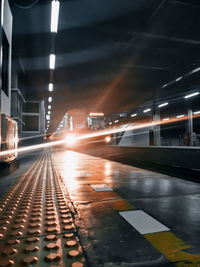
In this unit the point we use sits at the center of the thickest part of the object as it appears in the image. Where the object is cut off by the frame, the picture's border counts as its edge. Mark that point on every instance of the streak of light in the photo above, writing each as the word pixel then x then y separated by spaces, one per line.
pixel 95 134
pixel 33 147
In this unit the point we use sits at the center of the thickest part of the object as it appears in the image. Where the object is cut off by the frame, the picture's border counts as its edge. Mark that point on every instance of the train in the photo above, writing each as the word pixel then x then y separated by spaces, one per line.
pixel 9 138
pixel 80 128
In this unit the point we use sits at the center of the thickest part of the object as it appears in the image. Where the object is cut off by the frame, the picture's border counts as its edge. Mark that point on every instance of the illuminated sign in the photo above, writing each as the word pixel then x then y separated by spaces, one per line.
pixel 96 114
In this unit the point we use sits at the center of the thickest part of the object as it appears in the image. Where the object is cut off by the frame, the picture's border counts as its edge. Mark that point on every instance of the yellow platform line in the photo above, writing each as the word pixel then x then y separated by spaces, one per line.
pixel 173 248
pixel 166 243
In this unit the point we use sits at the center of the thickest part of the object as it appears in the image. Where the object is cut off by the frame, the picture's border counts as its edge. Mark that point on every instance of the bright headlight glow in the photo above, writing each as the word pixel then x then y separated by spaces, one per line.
pixel 108 139
pixel 70 140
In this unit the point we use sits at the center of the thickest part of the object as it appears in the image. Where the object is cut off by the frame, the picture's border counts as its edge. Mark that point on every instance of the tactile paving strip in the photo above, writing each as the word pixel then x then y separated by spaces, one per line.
pixel 36 222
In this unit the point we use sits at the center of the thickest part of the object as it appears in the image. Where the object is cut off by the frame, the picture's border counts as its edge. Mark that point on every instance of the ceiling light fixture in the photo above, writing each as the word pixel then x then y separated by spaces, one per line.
pixel 134 115
pixel 191 95
pixel 162 105
pixel 55 6
pixel 196 112
pixel 180 116
pixel 146 110
pixel 49 106
pixel 50 87
pixel 50 99
pixel 52 58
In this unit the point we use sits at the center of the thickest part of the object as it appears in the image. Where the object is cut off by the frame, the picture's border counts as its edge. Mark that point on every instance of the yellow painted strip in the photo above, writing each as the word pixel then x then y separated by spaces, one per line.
pixel 172 247
pixel 122 205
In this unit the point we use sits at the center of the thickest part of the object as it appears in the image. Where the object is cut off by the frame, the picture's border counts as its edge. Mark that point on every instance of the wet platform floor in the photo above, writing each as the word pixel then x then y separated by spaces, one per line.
pixel 118 215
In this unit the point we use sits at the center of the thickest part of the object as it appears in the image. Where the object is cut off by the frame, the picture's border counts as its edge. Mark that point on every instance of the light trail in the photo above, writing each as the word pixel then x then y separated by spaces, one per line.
pixel 91 135
pixel 33 147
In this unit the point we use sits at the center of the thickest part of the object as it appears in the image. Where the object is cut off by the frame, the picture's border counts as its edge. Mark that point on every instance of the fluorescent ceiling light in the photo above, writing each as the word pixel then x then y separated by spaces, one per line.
pixel 195 70
pixel 50 87
pixel 146 110
pixel 196 112
pixel 50 99
pixel 191 95
pixel 49 106
pixel 110 123
pixel 166 119
pixel 134 115
pixel 162 105
pixel 52 61
pixel 55 5
pixel 180 116
pixel 48 117
pixel 116 121
pixel 49 112
pixel 179 78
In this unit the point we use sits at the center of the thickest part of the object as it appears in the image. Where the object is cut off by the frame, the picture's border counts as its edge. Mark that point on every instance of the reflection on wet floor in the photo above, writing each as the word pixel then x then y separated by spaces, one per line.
pixel 169 200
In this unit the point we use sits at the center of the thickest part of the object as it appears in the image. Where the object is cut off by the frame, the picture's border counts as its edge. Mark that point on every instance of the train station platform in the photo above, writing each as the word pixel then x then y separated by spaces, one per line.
pixel 73 209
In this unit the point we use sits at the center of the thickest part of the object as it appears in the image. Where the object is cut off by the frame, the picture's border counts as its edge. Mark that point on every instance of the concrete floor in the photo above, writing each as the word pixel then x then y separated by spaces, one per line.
pixel 108 238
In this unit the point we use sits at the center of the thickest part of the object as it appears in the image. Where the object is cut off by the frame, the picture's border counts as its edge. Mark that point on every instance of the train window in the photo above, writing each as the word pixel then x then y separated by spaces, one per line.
pixel 5 64
pixel 31 123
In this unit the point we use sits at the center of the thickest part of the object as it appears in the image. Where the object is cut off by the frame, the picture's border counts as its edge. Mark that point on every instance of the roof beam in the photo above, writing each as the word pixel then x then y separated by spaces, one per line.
pixel 157 68
pixel 185 4
pixel 165 37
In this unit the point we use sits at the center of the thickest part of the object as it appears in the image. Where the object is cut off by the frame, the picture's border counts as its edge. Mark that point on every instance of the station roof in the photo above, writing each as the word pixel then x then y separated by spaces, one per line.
pixel 111 55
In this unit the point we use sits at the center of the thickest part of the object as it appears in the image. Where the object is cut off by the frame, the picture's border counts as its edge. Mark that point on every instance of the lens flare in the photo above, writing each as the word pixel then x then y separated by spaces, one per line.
pixel 70 140
pixel 108 139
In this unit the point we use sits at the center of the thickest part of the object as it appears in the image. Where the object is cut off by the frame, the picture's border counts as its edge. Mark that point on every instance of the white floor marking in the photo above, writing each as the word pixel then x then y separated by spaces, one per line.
pixel 101 187
pixel 143 222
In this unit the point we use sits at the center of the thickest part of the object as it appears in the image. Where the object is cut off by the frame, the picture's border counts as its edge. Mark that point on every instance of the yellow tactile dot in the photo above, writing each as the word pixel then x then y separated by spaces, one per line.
pixel 34 225
pixel 50 213
pixel 68 227
pixel 70 243
pixel 35 219
pixel 64 211
pixel 68 235
pixel 73 253
pixel 30 260
pixel 16 233
pixel 18 226
pixel 31 248
pixel 3 228
pixel 34 231
pixel 20 221
pixel 51 246
pixel 13 242
pixel 32 239
pixel 9 251
pixel 51 229
pixel 67 221
pixel 51 223
pixel 51 237
pixel 66 216
pixel 77 264
pixel 4 262
pixel 53 257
